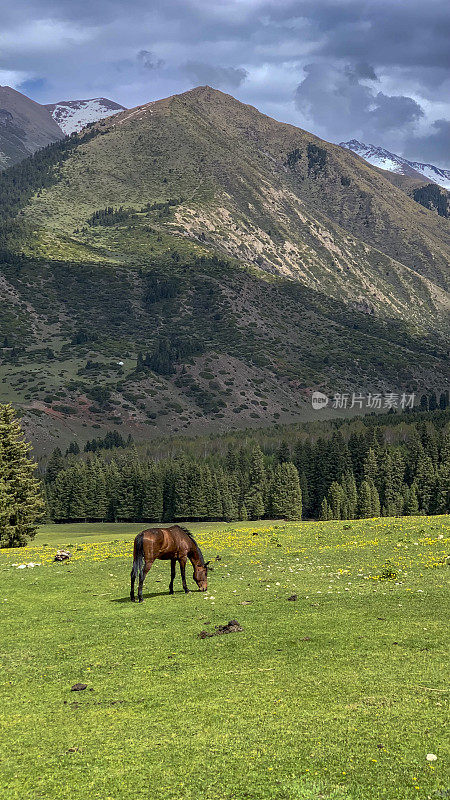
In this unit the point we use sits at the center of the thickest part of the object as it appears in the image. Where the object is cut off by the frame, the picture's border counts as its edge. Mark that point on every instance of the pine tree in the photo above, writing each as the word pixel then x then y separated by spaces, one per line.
pixel 283 453
pixel 55 465
pixel 305 492
pixel 231 459
pixel 112 479
pixel 230 497
pixel 335 500
pixel 256 469
pixel 442 489
pixel 21 499
pixel 371 466
pixel 350 496
pixel 126 500
pixel 424 479
pixel 364 500
pixel 254 504
pixel 375 510
pixel 324 511
pixel 152 495
pixel 285 494
pixel 411 504
pixel 181 493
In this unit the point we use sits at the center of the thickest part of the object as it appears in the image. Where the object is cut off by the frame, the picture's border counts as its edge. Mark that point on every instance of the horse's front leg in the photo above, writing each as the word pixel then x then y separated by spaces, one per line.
pixel 183 573
pixel 173 563
pixel 142 577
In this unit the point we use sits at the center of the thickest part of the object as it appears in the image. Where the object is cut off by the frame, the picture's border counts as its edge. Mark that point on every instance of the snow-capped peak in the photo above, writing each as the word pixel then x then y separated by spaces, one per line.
pixel 73 115
pixel 383 159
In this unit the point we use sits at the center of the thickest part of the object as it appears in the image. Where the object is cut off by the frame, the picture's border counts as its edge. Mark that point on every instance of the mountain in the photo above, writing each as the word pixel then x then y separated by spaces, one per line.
pixel 73 115
pixel 194 265
pixel 25 126
pixel 394 163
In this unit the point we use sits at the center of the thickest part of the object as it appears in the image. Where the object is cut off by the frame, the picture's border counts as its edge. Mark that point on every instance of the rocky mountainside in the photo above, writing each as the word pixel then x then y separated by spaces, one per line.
pixel 384 159
pixel 25 126
pixel 73 115
pixel 192 264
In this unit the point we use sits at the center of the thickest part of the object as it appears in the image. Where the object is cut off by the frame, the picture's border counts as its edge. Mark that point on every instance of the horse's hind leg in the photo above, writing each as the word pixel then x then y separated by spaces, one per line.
pixel 173 563
pixel 142 577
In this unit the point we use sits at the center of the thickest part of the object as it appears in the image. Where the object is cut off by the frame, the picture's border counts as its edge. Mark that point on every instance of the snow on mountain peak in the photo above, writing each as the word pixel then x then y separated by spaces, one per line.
pixel 73 115
pixel 384 159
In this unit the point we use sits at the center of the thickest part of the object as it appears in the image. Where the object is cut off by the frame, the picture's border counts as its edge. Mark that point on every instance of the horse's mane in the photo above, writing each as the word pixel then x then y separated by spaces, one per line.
pixel 188 533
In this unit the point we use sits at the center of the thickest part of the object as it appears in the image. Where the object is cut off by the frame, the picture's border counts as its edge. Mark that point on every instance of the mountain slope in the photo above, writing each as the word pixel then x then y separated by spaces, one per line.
pixel 192 264
pixel 25 126
pixel 379 157
pixel 264 192
pixel 73 115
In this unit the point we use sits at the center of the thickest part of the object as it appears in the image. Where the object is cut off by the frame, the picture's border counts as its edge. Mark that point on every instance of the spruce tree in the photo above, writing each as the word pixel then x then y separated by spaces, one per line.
pixel 442 489
pixel 55 464
pixel 305 492
pixel 283 453
pixel 324 511
pixel 21 499
pixel 411 505
pixel 335 500
pixel 152 495
pixel 364 500
pixel 254 504
pixel 350 496
pixel 285 494
pixel 374 500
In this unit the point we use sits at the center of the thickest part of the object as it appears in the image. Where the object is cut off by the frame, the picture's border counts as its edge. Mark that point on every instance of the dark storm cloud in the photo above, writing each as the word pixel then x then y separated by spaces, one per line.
pixel 339 99
pixel 148 60
pixel 231 77
pixel 434 147
pixel 377 69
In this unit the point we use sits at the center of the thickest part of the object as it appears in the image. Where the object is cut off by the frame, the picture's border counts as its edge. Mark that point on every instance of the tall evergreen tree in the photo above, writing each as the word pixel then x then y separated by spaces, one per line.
pixel 285 493
pixel 21 497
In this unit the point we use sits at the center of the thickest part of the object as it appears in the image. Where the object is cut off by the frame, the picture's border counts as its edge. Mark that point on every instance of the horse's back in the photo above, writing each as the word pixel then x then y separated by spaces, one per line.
pixel 163 542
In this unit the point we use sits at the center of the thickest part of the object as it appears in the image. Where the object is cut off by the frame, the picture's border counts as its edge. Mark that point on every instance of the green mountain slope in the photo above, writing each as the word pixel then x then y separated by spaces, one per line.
pixel 237 261
pixel 264 192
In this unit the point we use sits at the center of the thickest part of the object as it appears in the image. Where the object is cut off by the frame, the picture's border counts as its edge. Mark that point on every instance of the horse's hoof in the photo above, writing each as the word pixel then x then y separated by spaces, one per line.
pixel 141 600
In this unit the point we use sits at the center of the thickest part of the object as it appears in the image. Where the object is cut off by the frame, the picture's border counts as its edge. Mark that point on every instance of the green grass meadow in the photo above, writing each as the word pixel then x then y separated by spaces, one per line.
pixel 340 694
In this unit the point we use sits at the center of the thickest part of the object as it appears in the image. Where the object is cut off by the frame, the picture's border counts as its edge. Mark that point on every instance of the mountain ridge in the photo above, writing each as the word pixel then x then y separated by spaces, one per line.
pixel 327 233
pixel 25 126
pixel 384 159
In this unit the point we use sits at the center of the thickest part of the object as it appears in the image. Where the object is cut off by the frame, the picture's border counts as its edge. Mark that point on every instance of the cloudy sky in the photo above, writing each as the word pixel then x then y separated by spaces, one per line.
pixel 374 70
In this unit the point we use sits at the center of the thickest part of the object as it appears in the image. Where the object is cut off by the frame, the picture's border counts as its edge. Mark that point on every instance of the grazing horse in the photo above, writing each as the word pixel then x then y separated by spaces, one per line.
pixel 174 543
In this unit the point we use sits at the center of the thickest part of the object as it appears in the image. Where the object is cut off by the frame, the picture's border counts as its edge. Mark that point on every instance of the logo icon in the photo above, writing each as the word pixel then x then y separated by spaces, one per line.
pixel 319 400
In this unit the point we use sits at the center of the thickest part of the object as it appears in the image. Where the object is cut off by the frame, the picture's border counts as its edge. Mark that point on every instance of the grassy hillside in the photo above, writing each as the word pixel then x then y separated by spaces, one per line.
pixel 339 694
pixel 223 348
pixel 247 261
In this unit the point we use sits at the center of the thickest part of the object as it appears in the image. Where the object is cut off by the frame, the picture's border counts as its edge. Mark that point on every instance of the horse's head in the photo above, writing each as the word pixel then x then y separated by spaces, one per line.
pixel 201 576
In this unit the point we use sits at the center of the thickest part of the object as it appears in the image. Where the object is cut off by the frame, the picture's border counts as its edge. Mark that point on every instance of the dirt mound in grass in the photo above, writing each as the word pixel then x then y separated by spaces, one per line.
pixel 231 627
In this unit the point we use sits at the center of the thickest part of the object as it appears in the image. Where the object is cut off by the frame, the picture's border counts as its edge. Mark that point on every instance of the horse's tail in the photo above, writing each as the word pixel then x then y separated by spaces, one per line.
pixel 138 555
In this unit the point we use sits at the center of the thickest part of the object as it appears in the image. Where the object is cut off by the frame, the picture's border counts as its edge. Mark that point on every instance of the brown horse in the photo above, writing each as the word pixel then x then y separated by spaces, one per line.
pixel 174 543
